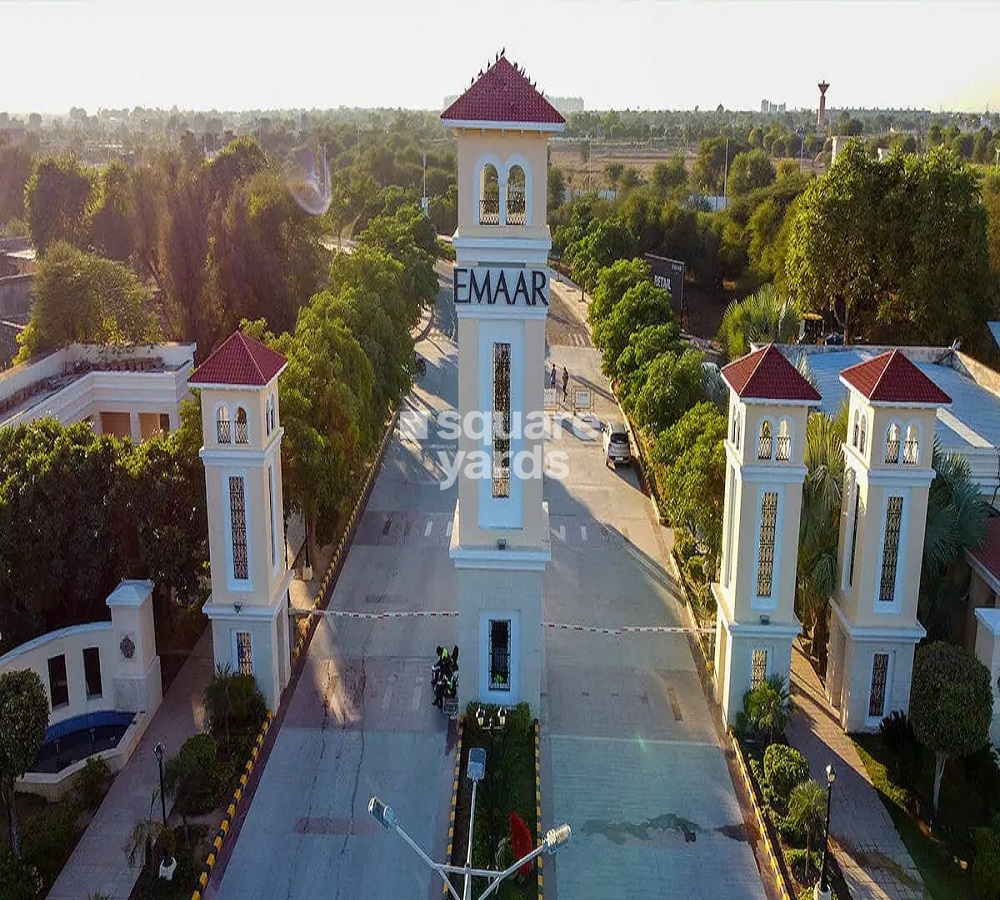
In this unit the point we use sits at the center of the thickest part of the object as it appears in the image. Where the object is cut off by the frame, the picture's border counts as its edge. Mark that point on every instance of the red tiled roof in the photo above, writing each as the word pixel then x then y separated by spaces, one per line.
pixel 239 361
pixel 989 553
pixel 767 375
pixel 892 378
pixel 503 94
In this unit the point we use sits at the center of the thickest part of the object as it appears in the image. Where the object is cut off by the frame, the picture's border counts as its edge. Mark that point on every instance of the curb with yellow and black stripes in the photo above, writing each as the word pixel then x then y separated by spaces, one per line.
pixel 784 889
pixel 454 797
pixel 538 804
pixel 227 820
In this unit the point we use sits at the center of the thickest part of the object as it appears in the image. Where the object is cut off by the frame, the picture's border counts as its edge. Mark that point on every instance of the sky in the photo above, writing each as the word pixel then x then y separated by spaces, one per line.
pixel 615 54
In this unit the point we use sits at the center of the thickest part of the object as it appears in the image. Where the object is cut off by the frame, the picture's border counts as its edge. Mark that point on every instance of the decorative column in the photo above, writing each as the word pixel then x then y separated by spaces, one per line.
pixel 500 537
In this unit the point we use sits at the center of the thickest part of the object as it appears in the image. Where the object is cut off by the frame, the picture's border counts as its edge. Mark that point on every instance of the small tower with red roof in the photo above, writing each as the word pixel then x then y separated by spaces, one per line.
pixel 888 470
pixel 242 456
pixel 769 403
pixel 500 537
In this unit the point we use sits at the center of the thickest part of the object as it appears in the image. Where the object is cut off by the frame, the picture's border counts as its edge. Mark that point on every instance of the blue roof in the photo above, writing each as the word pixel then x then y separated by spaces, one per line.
pixel 972 420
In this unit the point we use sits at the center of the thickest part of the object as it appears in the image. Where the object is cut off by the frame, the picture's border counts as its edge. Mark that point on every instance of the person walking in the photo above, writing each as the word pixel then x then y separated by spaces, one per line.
pixel 552 376
pixel 565 382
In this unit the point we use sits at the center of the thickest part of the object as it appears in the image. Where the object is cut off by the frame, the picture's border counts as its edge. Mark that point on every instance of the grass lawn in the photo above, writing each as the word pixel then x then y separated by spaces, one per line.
pixel 944 876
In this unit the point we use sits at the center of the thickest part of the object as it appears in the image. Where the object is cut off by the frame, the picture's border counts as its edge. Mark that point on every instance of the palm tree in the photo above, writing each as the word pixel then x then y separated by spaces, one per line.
pixel 819 526
pixel 807 812
pixel 956 520
pixel 762 317
pixel 769 707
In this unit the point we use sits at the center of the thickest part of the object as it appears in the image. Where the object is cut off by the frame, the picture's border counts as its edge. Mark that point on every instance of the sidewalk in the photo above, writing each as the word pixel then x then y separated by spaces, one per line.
pixel 866 845
pixel 98 864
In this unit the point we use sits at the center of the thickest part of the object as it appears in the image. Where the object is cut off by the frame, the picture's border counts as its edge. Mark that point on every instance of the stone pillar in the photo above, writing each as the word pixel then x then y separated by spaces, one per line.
pixel 137 684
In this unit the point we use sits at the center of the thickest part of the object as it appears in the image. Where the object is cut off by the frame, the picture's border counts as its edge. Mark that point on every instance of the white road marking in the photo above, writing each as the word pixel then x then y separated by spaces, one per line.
pixel 387 696
pixel 417 690
pixel 562 532
pixel 427 530
pixel 447 531
pixel 583 532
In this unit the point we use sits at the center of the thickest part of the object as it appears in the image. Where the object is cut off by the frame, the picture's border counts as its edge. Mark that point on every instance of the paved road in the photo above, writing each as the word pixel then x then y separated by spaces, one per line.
pixel 630 755
pixel 630 751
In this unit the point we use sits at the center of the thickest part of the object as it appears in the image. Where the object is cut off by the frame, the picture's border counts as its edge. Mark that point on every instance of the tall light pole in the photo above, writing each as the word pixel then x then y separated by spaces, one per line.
pixel 475 771
pixel 159 750
pixel 824 886
pixel 725 173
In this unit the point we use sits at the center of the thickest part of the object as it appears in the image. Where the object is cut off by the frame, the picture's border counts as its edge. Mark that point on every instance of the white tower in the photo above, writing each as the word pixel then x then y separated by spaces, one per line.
pixel 500 538
pixel 887 476
pixel 242 456
pixel 765 447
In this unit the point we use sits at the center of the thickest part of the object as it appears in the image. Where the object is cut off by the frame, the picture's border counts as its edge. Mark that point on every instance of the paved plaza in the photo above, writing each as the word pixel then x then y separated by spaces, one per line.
pixel 630 754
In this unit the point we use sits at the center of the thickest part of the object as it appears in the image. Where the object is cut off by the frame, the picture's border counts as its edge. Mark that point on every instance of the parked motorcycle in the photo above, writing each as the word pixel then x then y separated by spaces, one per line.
pixel 444 681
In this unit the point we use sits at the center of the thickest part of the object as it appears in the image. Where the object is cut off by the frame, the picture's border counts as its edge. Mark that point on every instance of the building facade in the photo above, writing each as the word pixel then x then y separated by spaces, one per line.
pixel 500 538
pixel 242 456
pixel 765 445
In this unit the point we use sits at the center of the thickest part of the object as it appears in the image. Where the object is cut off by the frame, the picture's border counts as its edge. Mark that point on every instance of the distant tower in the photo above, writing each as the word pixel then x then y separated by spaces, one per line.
pixel 821 118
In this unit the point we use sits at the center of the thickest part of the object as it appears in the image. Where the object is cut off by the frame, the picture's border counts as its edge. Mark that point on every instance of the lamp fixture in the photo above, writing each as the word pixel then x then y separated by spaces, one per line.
pixel 238 606
pixel 501 544
pixel 765 620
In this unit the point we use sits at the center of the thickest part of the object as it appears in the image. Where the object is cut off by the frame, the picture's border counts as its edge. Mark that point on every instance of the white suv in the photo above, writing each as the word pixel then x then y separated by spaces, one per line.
pixel 617 448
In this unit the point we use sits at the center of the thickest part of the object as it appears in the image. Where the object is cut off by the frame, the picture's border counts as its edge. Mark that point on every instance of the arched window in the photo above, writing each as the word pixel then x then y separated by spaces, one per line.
pixel 732 424
pixel 489 196
pixel 516 196
pixel 911 448
pixel 783 451
pixel 892 444
pixel 269 415
pixel 739 430
pixel 222 429
pixel 764 441
pixel 854 433
pixel 863 437
pixel 242 428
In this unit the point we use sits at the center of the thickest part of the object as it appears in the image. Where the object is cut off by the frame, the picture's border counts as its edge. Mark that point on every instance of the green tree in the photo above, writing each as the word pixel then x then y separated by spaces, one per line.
pixel 555 188
pixel 769 707
pixel 761 318
pixel 807 813
pixel 194 778
pixel 750 171
pixel 956 521
pixel 24 717
pixel 83 298
pixel 951 703
pixel 642 348
pixel 57 200
pixel 613 282
pixel 111 224
pixel 709 165
pixel 692 456
pixel 674 383
pixel 16 162
pixel 639 307
pixel 606 241
pixel 613 172
pixel 668 176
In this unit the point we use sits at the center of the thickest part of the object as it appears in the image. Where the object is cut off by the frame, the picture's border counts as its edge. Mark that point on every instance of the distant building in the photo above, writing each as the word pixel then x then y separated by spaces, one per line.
pixel 133 392
pixel 767 107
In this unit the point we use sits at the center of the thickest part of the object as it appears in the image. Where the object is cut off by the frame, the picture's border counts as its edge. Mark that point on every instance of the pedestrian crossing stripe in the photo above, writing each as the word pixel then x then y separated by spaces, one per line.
pixel 453 613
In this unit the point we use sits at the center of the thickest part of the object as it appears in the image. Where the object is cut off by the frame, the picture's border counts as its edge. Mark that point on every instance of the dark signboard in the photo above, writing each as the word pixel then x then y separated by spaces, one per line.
pixel 669 274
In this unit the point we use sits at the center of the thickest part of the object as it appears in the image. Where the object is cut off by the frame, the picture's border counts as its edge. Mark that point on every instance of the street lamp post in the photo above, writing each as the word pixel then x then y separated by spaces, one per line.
pixel 475 771
pixel 159 750
pixel 823 889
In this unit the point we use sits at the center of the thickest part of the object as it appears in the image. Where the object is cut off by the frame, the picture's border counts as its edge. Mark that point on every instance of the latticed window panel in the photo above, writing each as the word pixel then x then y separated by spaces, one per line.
pixel 890 550
pixel 854 535
pixel 501 420
pixel 880 674
pixel 910 452
pixel 489 211
pixel 783 448
pixel 244 653
pixel 516 207
pixel 765 441
pixel 758 668
pixel 238 516
pixel 224 432
pixel 765 555
pixel 242 427
pixel 499 650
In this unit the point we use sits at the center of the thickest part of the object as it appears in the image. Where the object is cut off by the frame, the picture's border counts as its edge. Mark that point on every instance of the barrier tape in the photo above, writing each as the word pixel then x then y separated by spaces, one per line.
pixel 452 613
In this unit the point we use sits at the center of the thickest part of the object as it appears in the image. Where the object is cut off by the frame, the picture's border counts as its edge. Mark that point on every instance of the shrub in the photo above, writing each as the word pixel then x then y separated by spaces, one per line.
pixel 768 708
pixel 796 860
pixel 695 569
pixel 234 706
pixel 18 880
pixel 784 768
pixel 899 739
pixel 91 782
pixel 195 777
pixel 684 545
pixel 986 863
pixel 46 845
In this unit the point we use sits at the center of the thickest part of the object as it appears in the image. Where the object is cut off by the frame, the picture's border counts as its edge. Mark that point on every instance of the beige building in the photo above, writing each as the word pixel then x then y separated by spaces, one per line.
pixel 765 445
pixel 500 538
pixel 887 475
pixel 242 456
